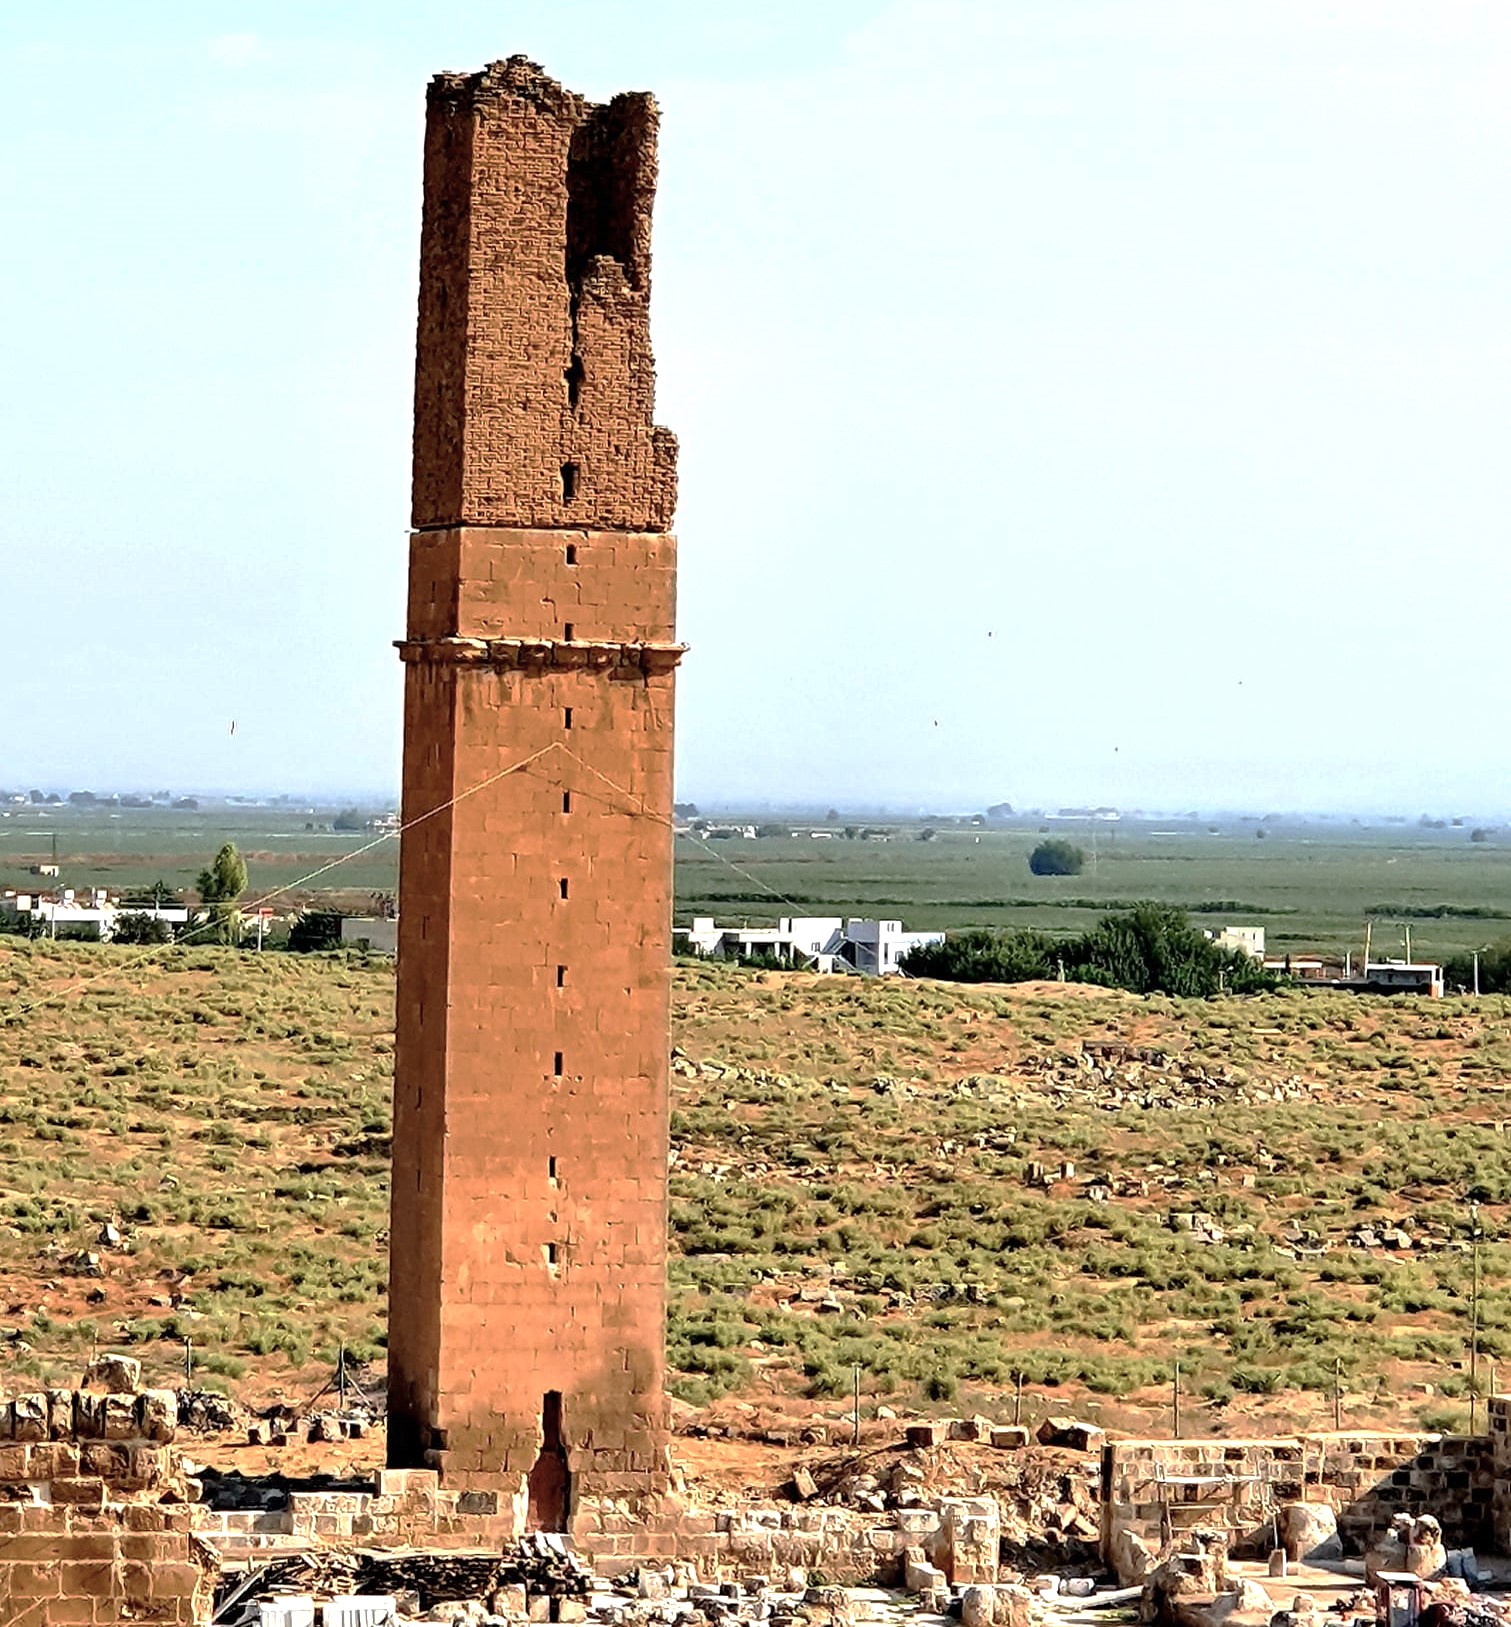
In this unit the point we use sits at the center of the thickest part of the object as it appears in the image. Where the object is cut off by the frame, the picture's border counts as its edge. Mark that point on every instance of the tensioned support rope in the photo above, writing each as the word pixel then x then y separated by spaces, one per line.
pixel 149 952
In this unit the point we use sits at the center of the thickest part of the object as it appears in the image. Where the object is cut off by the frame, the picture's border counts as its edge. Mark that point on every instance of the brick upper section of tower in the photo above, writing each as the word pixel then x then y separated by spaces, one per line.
pixel 534 397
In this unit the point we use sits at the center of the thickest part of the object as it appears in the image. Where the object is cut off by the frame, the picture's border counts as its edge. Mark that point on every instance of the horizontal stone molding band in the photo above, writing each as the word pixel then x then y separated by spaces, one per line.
pixel 526 653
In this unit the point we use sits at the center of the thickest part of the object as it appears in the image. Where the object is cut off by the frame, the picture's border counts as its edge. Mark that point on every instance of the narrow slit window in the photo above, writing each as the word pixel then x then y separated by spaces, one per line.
pixel 550 1254
pixel 566 802
pixel 568 632
pixel 551 1169
pixel 568 482
pixel 561 977
pixel 563 886
pixel 558 1064
pixel 567 718
pixel 571 553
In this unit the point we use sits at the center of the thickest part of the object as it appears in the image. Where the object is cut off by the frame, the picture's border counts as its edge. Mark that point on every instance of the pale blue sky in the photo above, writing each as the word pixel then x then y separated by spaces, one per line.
pixel 1079 401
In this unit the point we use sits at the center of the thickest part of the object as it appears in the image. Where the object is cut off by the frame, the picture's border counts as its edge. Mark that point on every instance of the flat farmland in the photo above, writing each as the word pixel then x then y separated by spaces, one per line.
pixel 1307 885
pixel 128 848
pixel 1311 885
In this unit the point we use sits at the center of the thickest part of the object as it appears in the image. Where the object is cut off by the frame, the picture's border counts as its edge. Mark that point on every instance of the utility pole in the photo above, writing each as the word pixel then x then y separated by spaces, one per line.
pixel 1338 1394
pixel 855 1414
pixel 1476 974
pixel 1369 927
pixel 1018 1396
pixel 1175 1405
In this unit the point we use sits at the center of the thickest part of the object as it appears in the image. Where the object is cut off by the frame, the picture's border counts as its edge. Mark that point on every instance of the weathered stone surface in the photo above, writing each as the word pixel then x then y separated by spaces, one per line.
pixel 978 1607
pixel 531 1063
pixel 116 1375
pixel 30 1416
pixel 1072 1434
pixel 1310 1531
pixel 1009 1437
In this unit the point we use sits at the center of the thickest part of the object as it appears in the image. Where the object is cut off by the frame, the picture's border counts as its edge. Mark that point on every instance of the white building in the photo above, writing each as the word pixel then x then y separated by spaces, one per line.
pixel 877 946
pixel 93 913
pixel 823 943
pixel 1246 940
pixel 1405 977
pixel 380 936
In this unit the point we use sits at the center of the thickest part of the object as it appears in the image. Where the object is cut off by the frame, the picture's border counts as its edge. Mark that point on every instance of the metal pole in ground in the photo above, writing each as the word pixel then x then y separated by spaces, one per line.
pixel 855 1421
pixel 1018 1396
pixel 1175 1405
pixel 1338 1394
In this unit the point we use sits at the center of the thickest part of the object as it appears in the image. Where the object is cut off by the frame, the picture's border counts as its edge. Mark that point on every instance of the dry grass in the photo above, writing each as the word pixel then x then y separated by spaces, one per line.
pixel 229 1113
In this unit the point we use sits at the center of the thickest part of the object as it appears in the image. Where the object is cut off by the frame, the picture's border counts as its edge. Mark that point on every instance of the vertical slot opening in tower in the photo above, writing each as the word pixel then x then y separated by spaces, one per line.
pixel 550 1480
pixel 568 482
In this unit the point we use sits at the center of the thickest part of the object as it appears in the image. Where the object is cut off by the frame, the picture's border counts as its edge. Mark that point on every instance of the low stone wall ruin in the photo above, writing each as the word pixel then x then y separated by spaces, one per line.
pixel 1155 1490
pixel 95 1523
pixel 407 1508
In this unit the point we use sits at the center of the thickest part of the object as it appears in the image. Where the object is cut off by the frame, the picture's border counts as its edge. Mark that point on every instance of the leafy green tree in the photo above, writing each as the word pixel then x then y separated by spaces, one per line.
pixel 1495 969
pixel 979 956
pixel 315 931
pixel 1148 949
pixel 226 879
pixel 1056 857
pixel 1155 949
pixel 219 887
pixel 137 927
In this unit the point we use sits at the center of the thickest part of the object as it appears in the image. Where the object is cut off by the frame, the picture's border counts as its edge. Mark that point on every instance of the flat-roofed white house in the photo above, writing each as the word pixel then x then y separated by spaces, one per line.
pixel 823 943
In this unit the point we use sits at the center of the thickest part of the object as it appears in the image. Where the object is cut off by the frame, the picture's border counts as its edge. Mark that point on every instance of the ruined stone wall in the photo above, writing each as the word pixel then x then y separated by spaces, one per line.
pixel 65 1564
pixel 94 1525
pixel 530 1116
pixel 1498 1409
pixel 407 1509
pixel 1237 1485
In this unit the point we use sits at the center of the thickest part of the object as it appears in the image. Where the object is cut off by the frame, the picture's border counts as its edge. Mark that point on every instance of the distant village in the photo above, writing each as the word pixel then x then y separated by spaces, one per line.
pixel 842 945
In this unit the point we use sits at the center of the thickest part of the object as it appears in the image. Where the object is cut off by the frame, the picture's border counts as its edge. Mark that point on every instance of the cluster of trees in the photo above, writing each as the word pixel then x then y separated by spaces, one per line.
pixel 1495 969
pixel 1150 949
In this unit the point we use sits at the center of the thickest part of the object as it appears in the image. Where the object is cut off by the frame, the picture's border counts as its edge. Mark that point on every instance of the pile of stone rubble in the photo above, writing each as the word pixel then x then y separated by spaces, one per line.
pixel 535 1584
pixel 1114 1077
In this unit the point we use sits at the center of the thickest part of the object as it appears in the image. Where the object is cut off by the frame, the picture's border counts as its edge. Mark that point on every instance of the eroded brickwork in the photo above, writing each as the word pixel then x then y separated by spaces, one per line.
pixel 530 1131
pixel 534 388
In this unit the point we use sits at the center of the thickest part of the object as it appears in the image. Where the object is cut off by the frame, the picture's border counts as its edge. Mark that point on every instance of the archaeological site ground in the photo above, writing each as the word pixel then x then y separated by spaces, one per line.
pixel 537 1278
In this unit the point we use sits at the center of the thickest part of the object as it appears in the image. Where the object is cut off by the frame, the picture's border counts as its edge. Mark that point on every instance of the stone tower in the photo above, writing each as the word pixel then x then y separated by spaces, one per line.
pixel 527 1279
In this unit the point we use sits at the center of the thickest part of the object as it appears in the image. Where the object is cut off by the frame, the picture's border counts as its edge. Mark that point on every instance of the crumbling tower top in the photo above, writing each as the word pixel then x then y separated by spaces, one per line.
pixel 535 391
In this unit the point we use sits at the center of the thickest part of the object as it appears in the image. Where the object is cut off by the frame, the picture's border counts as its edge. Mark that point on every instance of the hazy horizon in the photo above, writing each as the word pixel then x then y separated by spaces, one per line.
pixel 1099 403
pixel 808 806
